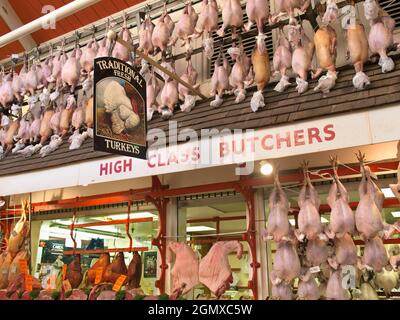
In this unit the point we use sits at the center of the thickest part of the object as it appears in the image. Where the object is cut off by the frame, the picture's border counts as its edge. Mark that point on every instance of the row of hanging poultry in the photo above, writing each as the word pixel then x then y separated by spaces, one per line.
pixel 328 253
pixel 55 109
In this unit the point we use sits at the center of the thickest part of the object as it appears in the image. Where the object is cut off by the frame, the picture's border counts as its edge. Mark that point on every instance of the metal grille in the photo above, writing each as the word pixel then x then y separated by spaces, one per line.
pixel 392 7
pixel 248 42
pixel 208 195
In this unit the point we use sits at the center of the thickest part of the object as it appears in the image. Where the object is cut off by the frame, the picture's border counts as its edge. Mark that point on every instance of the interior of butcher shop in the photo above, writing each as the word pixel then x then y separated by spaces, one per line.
pixel 200 150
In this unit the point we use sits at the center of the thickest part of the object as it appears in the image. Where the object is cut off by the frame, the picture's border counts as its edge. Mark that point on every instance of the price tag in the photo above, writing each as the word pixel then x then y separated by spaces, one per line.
pixel 64 271
pixel 119 283
pixel 315 269
pixel 23 266
pixel 99 275
pixel 28 282
pixel 66 286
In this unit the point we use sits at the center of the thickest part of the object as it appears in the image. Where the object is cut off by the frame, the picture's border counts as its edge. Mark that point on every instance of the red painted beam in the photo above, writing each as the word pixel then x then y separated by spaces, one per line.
pixel 72 252
pixel 108 223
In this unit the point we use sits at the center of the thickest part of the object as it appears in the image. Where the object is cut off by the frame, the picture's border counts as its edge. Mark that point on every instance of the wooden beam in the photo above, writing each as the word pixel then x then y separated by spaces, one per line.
pixel 112 35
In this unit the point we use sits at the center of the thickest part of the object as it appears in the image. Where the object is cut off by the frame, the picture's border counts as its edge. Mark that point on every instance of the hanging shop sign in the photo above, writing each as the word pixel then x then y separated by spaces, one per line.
pixel 326 134
pixel 119 108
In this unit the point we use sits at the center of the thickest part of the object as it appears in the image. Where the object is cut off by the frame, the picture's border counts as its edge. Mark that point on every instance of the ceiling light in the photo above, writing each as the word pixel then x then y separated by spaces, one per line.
pixel 292 222
pixel 396 214
pixel 135 215
pixel 388 193
pixel 199 229
pixel 324 220
pixel 266 168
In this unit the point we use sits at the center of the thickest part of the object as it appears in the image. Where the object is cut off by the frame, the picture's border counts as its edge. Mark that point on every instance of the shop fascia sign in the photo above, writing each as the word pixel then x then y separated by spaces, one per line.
pixel 216 148
pixel 222 148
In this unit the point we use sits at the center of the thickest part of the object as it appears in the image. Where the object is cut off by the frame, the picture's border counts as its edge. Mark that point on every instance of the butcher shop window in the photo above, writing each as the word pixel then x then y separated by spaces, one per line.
pixel 55 244
pixel 392 7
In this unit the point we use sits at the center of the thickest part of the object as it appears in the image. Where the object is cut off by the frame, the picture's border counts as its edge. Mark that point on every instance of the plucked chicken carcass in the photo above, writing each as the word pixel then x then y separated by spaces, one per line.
pixel 316 252
pixel 145 43
pixel 262 72
pixel 117 103
pixel 152 90
pixel 278 223
pixel 308 287
pixel 169 93
pixel 387 280
pixel 31 79
pixel 286 265
pixel 13 128
pixel 303 52
pixel 15 265
pixel 74 272
pixel 309 220
pixel 207 23
pixel 71 70
pixel 281 291
pixel 282 61
pixel 288 7
pixel 380 36
pixel 334 288
pixel 220 80
pixel 134 272
pixel 190 77
pixel 115 269
pixel 368 292
pixel 342 217
pixel 214 269
pixel 331 13
pixel 258 13
pixel 23 135
pixel 120 51
pixel 102 263
pixel 17 86
pixel 232 16
pixel 185 27
pixel 368 216
pixel 58 64
pixel 6 91
pixel 325 48
pixel 163 31
pixel 88 55
pixel 185 272
pixel 375 255
pixel 104 44
pixel 239 72
pixel 19 233
pixel 357 49
pixel 345 252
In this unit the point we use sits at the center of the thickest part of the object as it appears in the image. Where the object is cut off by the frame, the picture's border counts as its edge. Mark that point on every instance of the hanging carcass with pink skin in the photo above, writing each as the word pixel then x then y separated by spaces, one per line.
pixel 281 291
pixel 303 52
pixel 278 226
pixel 185 272
pixel 6 91
pixel 88 55
pixel 71 70
pixel 78 121
pixel 185 27
pixel 163 30
pixel 220 80
pixel 282 61
pixel 232 16
pixel 169 93
pixel 308 286
pixel 120 51
pixel 146 30
pixel 23 136
pixel 380 36
pixel 104 44
pixel 207 23
pixel 58 63
pixel 258 13
pixel 152 90
pixel 190 77
pixel 13 129
pixel 316 252
pixel 357 46
pixel 214 269
pixel 262 72
pixel 345 252
pixel 288 8
pixel 335 289
pixel 286 265
pixel 375 256
pixel 368 216
pixel 396 187
pixel 309 220
pixel 32 78
pixel 17 85
pixel 342 217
